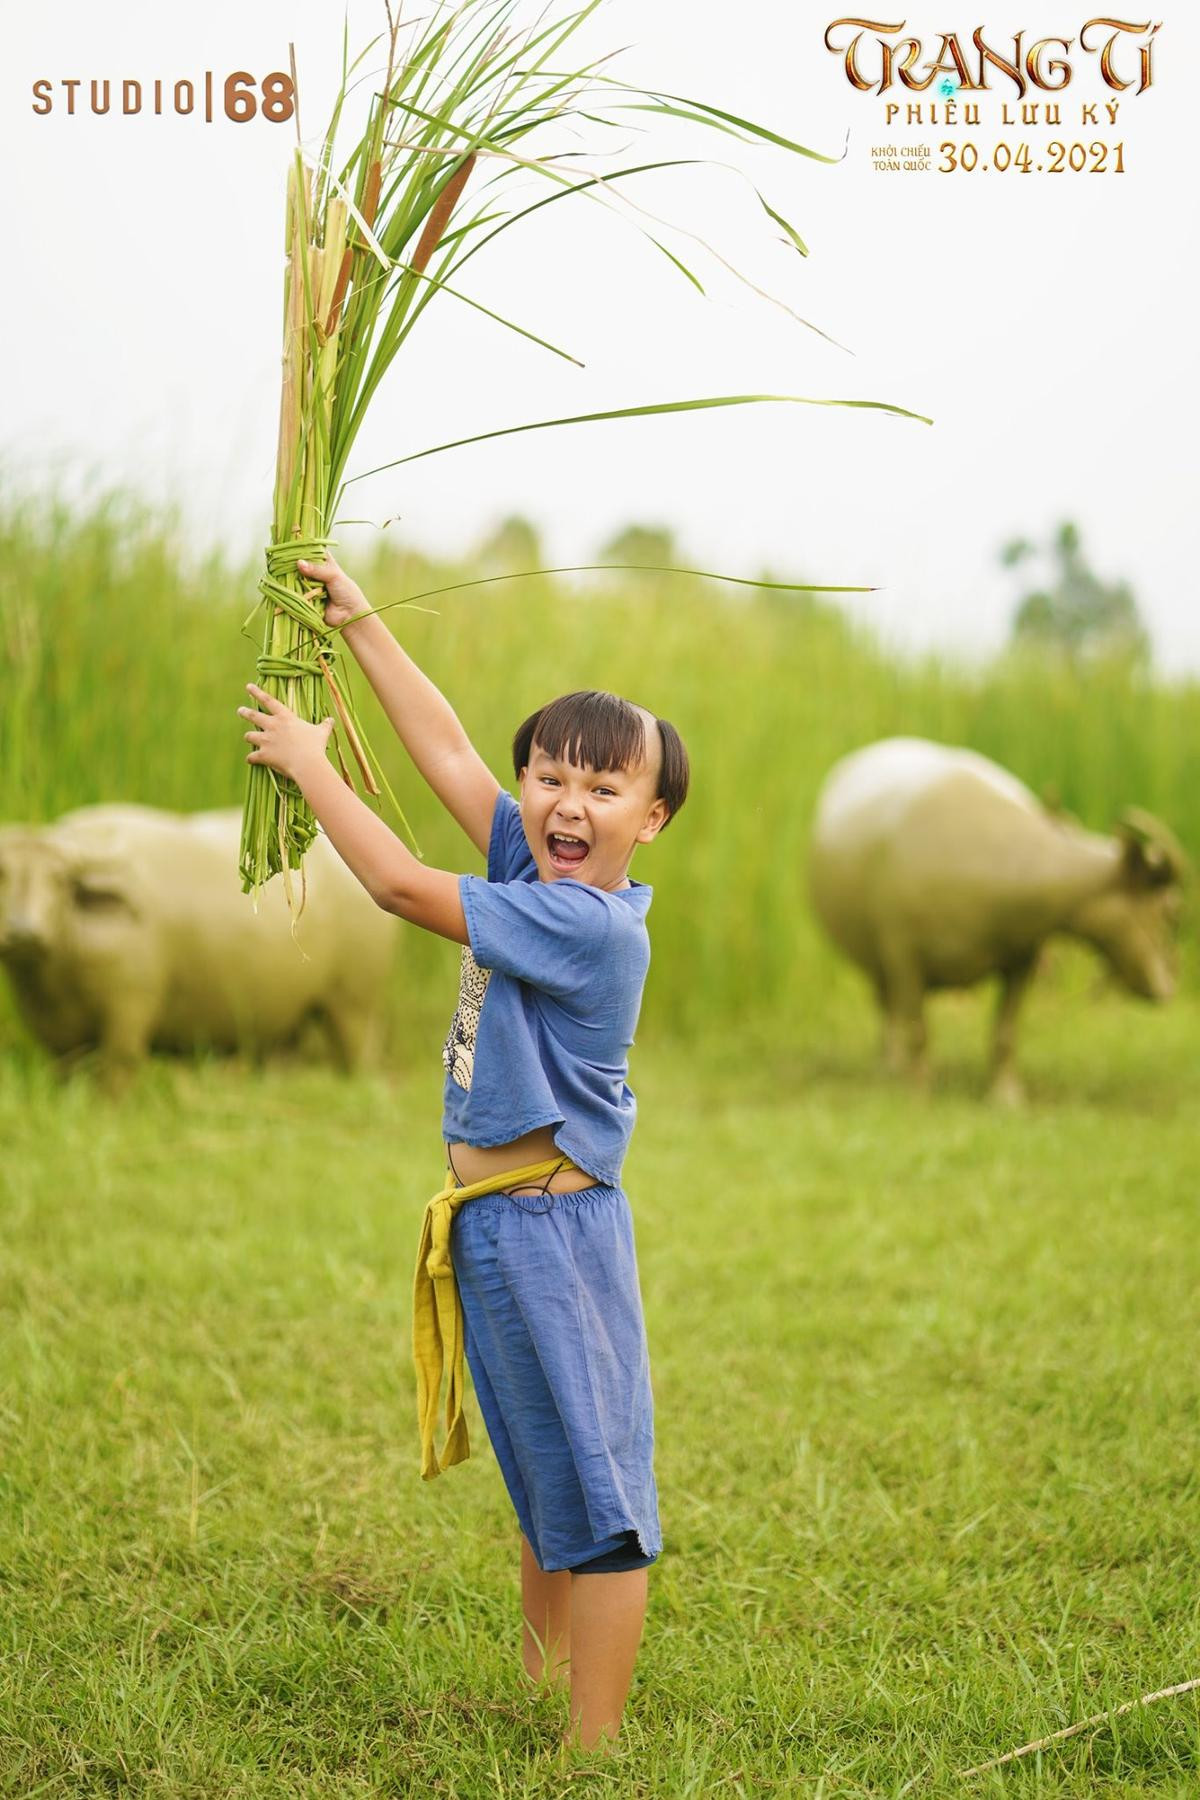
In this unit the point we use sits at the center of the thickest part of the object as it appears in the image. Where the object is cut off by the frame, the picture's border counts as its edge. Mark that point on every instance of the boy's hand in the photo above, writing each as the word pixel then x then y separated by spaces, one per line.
pixel 280 739
pixel 346 598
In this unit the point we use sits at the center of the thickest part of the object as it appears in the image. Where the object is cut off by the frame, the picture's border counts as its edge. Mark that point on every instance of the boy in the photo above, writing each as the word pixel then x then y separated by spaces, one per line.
pixel 542 1285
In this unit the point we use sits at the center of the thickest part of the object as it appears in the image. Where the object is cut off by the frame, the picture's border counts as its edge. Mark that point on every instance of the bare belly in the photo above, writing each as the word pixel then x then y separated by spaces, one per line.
pixel 472 1164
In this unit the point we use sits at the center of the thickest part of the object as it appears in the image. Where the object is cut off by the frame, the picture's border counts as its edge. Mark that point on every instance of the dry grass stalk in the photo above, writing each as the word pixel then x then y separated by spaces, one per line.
pixel 1056 1737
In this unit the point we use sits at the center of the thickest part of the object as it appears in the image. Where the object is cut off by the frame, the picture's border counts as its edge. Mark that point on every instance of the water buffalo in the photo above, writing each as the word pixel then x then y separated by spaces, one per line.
pixel 932 867
pixel 124 929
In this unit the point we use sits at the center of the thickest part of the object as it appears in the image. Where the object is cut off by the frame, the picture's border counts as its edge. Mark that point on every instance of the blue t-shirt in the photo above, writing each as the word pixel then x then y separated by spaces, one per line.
pixel 549 997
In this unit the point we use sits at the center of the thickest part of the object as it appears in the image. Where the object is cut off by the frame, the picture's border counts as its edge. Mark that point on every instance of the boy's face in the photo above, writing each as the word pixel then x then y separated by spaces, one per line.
pixel 611 812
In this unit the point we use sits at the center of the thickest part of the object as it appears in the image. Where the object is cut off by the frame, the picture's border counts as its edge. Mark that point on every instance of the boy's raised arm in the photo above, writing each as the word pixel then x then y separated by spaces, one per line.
pixel 424 720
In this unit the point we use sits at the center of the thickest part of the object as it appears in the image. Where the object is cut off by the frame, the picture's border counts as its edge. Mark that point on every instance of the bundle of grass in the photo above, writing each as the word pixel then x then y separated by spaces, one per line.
pixel 361 237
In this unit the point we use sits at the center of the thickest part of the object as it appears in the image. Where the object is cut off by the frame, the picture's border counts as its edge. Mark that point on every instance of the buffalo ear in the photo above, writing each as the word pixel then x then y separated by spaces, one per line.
pixel 1152 852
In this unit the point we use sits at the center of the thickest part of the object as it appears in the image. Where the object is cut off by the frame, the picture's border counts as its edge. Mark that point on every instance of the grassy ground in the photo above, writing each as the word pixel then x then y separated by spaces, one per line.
pixel 927 1405
pixel 925 1375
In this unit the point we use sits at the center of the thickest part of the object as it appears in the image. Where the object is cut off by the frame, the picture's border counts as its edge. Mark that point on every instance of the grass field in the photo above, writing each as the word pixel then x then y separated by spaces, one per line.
pixel 925 1373
pixel 927 1404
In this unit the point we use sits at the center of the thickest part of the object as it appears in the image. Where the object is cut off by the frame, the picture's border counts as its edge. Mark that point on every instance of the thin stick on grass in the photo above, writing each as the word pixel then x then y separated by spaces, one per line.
pixel 1056 1737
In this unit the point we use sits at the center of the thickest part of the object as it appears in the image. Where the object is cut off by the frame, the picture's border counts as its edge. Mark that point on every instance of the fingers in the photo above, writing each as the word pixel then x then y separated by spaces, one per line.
pixel 320 571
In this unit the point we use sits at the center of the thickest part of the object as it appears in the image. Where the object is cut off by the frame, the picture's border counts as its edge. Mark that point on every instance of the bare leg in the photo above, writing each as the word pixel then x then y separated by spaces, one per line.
pixel 546 1605
pixel 607 1615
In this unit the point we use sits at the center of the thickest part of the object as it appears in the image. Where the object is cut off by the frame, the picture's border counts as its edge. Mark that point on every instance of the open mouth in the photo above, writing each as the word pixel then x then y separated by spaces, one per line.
pixel 566 852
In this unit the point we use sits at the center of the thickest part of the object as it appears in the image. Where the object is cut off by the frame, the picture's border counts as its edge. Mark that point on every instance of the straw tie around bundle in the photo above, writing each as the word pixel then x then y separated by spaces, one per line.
pixel 281 561
pixel 304 668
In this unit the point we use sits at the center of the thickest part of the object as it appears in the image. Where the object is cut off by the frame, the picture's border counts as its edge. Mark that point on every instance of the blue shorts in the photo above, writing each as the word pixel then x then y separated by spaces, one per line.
pixel 555 1340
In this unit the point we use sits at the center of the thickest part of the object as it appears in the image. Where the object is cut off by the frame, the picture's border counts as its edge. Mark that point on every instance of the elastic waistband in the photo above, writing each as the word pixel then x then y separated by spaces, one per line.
pixel 541 1203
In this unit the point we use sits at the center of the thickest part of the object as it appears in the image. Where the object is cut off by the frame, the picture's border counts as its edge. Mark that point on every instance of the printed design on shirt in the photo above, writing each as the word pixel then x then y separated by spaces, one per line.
pixel 458 1052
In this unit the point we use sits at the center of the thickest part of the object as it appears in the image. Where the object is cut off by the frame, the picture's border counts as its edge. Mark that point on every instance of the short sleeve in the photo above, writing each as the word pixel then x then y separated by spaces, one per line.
pixel 555 935
pixel 509 855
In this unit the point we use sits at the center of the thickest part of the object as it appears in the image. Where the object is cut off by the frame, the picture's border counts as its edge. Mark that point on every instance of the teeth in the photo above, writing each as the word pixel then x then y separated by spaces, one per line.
pixel 566 838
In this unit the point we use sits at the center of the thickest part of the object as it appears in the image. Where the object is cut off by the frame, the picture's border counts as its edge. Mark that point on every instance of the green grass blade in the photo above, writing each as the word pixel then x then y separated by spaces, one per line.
pixel 679 112
pixel 568 27
pixel 789 587
pixel 779 219
pixel 509 324
pixel 718 114
pixel 574 188
pixel 679 265
pixel 641 412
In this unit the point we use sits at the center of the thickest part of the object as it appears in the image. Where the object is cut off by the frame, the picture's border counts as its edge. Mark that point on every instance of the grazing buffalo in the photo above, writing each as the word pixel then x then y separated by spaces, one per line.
pixel 125 930
pixel 932 867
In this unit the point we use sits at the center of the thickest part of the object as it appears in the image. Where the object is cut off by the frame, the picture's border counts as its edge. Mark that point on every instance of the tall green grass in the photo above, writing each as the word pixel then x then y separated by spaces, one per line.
pixel 123 668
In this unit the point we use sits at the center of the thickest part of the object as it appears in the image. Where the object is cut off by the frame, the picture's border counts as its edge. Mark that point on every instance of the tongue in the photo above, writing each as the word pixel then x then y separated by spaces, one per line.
pixel 568 852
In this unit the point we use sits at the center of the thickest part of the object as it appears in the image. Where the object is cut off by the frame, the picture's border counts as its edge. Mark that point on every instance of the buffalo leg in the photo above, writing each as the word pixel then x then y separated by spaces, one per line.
pixel 355 1037
pixel 69 1062
pixel 124 1043
pixel 901 990
pixel 1004 1084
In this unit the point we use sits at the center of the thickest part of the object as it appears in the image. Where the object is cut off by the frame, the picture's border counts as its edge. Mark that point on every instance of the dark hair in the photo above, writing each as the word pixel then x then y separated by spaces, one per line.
pixel 596 730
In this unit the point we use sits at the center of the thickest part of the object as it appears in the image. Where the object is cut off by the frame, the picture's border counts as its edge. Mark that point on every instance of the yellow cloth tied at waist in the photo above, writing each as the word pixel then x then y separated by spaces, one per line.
pixel 438 1314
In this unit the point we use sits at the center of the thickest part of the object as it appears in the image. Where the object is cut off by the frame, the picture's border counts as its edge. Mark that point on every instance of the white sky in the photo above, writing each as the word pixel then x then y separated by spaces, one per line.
pixel 1045 322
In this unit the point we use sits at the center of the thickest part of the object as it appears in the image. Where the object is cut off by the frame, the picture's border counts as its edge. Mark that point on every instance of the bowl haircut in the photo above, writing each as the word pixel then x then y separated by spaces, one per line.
pixel 595 730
